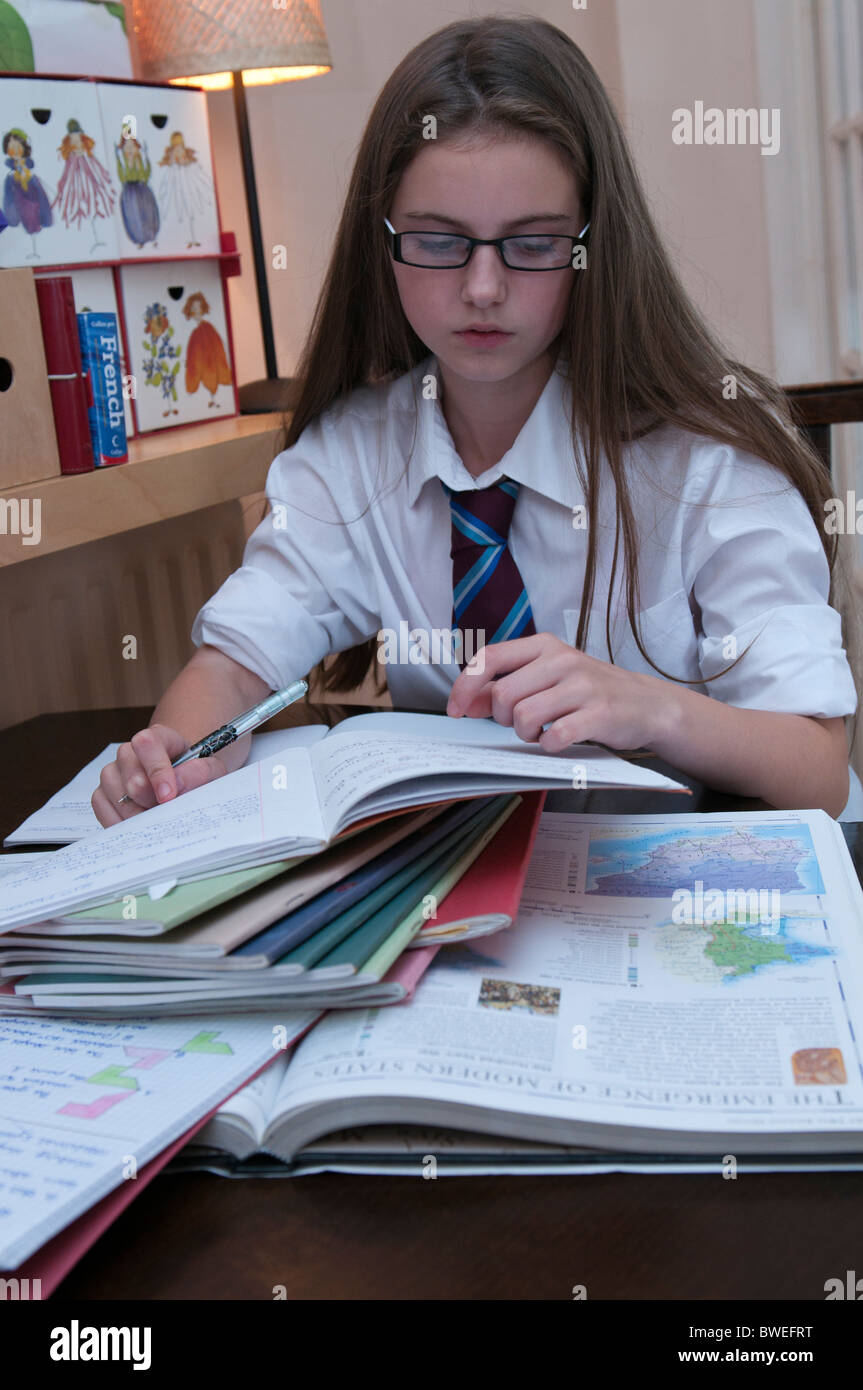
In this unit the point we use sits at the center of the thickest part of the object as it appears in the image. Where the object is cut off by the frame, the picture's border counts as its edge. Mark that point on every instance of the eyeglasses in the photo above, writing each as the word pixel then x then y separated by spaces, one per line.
pixel 443 251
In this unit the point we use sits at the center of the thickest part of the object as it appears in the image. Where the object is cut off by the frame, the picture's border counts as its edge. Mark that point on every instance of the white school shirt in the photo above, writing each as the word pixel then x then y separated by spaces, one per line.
pixel 358 540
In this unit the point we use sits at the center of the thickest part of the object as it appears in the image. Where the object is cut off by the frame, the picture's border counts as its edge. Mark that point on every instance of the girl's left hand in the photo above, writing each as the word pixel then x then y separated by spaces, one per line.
pixel 539 680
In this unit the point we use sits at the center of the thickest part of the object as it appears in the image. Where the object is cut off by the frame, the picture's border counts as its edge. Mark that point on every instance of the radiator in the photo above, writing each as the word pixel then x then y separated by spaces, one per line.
pixel 66 618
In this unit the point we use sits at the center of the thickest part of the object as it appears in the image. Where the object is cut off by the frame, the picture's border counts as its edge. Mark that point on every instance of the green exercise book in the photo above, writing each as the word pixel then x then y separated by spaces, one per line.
pixel 141 915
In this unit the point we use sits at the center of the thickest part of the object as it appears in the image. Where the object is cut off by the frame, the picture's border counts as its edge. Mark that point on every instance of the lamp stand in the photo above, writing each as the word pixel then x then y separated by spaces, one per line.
pixel 273 392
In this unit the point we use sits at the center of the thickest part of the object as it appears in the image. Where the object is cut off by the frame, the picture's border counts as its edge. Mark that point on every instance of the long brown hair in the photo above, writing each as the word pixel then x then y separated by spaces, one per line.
pixel 645 356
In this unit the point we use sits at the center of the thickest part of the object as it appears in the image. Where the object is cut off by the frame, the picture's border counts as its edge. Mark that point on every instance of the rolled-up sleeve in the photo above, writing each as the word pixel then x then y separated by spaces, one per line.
pixel 758 572
pixel 303 590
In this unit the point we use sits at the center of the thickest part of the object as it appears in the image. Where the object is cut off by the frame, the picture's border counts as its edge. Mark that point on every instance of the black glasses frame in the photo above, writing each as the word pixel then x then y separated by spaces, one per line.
pixel 499 242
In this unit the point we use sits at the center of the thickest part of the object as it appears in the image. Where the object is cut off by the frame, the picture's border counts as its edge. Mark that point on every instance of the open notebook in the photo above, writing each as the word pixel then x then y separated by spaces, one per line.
pixel 68 814
pixel 95 1102
pixel 298 800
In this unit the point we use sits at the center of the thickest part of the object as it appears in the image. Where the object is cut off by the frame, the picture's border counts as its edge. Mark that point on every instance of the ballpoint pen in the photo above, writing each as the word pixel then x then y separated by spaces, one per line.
pixel 242 724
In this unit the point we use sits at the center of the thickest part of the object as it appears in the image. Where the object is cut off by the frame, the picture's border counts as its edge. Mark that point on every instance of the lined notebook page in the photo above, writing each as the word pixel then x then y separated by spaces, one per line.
pixel 68 815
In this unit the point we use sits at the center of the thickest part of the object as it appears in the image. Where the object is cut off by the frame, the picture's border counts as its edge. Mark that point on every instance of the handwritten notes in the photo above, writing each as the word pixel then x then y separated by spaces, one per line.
pixel 83 1105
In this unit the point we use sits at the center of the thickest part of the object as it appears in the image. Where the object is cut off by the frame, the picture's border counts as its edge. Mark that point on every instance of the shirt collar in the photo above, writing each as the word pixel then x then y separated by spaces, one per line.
pixel 542 457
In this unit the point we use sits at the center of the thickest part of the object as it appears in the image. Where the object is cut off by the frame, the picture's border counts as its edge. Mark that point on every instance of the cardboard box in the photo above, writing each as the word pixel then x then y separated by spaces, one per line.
pixel 28 443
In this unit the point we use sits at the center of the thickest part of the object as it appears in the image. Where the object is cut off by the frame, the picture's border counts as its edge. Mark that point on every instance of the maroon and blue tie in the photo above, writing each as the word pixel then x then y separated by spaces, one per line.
pixel 488 592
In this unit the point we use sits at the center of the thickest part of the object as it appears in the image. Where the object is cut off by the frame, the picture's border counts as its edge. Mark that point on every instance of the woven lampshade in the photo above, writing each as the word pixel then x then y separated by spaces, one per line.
pixel 206 40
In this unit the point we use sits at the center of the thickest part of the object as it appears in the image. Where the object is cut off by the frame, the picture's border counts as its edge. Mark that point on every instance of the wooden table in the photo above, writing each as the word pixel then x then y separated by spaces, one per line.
pixel 196 1236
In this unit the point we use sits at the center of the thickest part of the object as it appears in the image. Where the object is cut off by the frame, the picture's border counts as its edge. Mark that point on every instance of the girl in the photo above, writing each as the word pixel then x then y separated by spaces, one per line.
pixel 512 418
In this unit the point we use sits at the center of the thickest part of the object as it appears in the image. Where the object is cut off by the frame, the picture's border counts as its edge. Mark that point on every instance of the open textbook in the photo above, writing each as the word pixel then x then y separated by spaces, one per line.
pixel 680 986
pixel 409 1151
pixel 298 800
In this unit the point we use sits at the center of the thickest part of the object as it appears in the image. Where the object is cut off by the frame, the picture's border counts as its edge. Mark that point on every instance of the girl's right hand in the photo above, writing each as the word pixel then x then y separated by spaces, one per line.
pixel 143 771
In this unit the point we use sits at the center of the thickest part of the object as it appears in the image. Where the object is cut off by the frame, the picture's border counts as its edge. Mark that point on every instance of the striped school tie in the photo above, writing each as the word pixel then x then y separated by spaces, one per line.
pixel 488 592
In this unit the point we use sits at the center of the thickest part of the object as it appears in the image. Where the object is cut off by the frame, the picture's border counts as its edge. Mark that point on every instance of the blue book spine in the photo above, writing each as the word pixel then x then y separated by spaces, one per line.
pixel 100 352
pixel 274 942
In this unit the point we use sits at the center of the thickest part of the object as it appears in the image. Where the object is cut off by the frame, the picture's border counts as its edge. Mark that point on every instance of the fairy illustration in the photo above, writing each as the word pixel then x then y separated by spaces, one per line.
pixel 161 358
pixel 184 190
pixel 138 206
pixel 25 202
pixel 206 360
pixel 84 191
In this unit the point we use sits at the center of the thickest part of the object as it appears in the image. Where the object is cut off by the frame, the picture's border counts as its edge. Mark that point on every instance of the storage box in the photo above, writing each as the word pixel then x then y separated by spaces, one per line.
pixel 28 443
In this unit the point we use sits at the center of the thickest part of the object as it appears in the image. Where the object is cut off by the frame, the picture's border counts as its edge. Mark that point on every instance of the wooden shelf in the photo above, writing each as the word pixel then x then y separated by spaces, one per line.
pixel 168 474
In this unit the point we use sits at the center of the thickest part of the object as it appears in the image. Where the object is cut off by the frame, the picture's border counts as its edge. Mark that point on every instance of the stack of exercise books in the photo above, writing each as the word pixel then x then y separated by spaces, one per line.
pixel 323 932
pixel 335 854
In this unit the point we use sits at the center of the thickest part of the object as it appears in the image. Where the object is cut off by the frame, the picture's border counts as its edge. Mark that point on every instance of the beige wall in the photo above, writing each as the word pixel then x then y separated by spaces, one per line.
pixel 708 200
